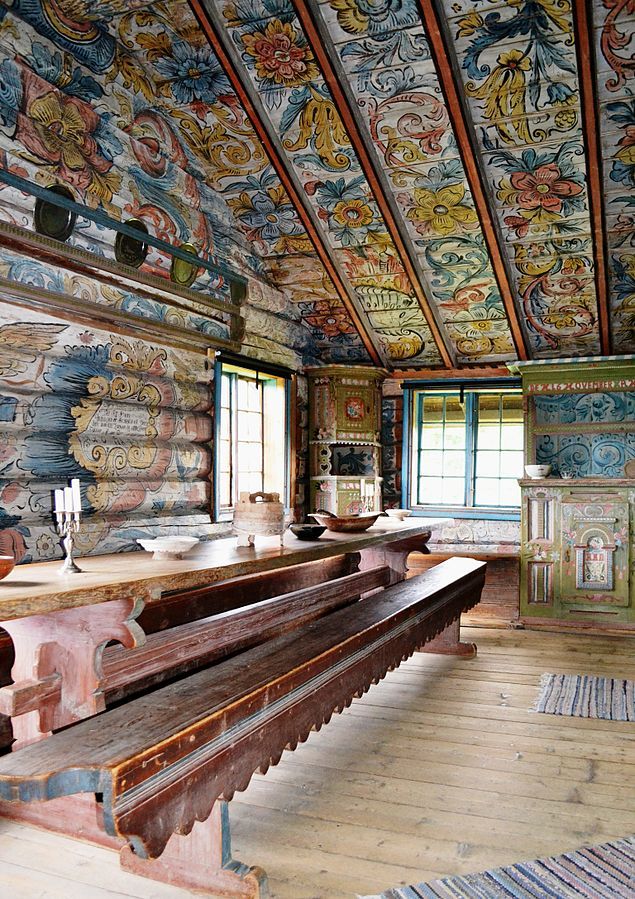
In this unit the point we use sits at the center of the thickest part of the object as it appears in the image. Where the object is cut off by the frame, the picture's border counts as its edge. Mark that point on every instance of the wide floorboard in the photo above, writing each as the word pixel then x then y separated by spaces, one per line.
pixel 441 768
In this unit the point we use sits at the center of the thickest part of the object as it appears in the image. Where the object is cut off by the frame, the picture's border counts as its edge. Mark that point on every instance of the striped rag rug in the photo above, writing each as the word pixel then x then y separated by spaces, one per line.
pixel 597 872
pixel 586 696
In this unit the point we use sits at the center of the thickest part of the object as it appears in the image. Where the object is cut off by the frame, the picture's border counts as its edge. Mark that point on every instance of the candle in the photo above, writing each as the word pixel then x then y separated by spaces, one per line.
pixel 59 502
pixel 68 499
pixel 77 496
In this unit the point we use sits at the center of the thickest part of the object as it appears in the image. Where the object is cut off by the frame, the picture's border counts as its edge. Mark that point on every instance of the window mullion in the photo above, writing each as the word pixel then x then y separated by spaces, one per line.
pixel 233 418
pixel 470 447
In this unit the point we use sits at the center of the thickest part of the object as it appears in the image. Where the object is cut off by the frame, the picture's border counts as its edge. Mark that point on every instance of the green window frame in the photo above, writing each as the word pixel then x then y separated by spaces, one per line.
pixel 466 449
pixel 252 433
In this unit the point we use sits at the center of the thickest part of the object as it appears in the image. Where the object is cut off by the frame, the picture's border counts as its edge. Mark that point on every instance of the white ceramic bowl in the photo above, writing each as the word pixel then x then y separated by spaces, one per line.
pixel 399 514
pixel 537 471
pixel 168 547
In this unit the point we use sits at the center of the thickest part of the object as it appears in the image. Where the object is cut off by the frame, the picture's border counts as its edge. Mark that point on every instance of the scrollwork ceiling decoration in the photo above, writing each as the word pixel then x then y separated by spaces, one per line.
pixel 129 103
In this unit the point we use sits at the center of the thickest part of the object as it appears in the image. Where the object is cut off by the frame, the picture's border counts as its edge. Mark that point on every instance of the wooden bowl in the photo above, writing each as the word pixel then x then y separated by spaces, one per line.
pixel 309 531
pixel 7 564
pixel 347 523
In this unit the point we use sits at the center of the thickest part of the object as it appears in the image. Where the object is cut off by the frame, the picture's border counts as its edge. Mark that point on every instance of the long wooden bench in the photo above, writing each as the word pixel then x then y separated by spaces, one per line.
pixel 160 762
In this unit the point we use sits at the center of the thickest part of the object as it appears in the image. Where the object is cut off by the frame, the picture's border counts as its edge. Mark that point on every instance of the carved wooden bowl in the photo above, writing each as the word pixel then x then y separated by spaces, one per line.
pixel 347 522
pixel 7 564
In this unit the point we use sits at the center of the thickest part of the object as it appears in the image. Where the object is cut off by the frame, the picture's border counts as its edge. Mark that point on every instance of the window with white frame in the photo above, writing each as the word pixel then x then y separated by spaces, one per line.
pixel 251 435
pixel 467 448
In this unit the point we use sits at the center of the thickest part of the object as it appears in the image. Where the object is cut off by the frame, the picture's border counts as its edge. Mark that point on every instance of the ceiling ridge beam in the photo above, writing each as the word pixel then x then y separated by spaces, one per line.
pixel 319 41
pixel 587 79
pixel 441 55
pixel 206 20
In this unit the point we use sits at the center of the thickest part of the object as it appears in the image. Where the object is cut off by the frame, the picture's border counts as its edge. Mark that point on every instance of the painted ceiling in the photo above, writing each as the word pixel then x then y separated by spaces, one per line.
pixel 433 185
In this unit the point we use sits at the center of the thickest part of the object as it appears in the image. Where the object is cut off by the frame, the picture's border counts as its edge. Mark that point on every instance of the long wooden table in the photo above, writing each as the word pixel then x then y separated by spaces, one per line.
pixel 60 625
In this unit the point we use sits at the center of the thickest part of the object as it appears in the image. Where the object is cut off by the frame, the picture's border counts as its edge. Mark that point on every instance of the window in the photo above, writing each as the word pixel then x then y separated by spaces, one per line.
pixel 251 434
pixel 467 448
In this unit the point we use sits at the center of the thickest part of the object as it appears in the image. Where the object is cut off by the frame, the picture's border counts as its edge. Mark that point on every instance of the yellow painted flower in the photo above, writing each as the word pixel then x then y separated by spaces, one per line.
pixel 442 211
pixel 469 24
pixel 281 56
pixel 353 213
pixel 350 16
pixel 503 93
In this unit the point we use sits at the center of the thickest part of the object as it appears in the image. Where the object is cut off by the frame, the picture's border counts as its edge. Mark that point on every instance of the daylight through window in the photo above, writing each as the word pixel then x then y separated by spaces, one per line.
pixel 467 450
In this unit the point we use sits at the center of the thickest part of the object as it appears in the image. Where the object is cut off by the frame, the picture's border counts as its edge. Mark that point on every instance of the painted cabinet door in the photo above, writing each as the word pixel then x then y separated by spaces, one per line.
pixel 595 552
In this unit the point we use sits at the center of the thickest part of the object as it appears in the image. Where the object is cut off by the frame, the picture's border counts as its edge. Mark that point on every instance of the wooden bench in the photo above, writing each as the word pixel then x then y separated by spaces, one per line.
pixel 160 762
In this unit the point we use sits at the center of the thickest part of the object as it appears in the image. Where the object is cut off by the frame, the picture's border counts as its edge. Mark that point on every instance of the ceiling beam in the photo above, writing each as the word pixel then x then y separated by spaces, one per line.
pixel 306 13
pixel 464 374
pixel 319 242
pixel 441 54
pixel 587 77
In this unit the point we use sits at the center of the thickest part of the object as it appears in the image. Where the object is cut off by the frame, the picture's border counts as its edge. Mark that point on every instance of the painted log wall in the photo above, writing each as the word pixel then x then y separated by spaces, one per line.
pixel 130 419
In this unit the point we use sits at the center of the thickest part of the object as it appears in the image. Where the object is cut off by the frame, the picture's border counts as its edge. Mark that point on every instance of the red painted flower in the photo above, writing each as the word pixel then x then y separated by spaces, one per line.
pixel 545 187
pixel 60 129
pixel 332 321
pixel 281 55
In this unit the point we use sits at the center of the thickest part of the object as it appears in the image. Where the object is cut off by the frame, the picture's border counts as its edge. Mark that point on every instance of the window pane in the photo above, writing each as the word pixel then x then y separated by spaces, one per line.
pixel 511 464
pixel 432 436
pixel 431 463
pixel 224 390
pixel 454 463
pixel 487 492
pixel 487 464
pixel 454 491
pixel 510 492
pixel 431 490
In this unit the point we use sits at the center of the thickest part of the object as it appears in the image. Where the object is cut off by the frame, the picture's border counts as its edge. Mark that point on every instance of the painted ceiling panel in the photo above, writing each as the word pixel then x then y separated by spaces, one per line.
pixel 614 24
pixel 420 179
pixel 274 52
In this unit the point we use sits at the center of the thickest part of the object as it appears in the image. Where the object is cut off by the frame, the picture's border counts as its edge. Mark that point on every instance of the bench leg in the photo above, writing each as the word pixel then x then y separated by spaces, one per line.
pixel 201 861
pixel 448 643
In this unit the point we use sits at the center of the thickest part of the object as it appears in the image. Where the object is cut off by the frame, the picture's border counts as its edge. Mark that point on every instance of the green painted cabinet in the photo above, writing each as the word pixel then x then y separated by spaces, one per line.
pixel 344 432
pixel 578 525
pixel 577 551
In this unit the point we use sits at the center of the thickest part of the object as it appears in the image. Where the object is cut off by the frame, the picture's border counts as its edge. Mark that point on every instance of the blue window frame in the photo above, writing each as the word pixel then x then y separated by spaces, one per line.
pixel 252 433
pixel 464 449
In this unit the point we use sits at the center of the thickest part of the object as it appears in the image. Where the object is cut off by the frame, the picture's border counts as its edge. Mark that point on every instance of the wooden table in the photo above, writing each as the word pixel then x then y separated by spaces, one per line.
pixel 60 624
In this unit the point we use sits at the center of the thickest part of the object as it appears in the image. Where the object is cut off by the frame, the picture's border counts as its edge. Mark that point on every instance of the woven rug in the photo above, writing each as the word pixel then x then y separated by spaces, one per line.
pixel 597 872
pixel 586 696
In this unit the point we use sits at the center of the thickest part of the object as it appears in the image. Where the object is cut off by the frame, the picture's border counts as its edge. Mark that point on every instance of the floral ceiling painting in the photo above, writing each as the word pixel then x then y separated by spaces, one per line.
pixel 428 185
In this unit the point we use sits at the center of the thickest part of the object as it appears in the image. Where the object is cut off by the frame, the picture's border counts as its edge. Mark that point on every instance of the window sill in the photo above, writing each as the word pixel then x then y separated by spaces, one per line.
pixel 485 514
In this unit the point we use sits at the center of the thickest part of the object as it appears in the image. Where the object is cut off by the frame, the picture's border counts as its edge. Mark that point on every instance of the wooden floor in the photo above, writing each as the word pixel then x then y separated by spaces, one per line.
pixel 440 769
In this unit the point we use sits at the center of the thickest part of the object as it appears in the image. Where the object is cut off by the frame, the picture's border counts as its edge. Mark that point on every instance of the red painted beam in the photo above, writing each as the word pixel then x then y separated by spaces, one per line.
pixel 583 29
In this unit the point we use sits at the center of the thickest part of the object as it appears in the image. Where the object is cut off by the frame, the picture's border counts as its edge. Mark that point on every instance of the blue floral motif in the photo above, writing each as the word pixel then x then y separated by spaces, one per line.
pixel 351 217
pixel 10 93
pixel 194 73
pixel 55 69
pixel 93 47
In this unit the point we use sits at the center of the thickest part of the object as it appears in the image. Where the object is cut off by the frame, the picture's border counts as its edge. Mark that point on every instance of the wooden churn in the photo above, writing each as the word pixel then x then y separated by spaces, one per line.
pixel 258 513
